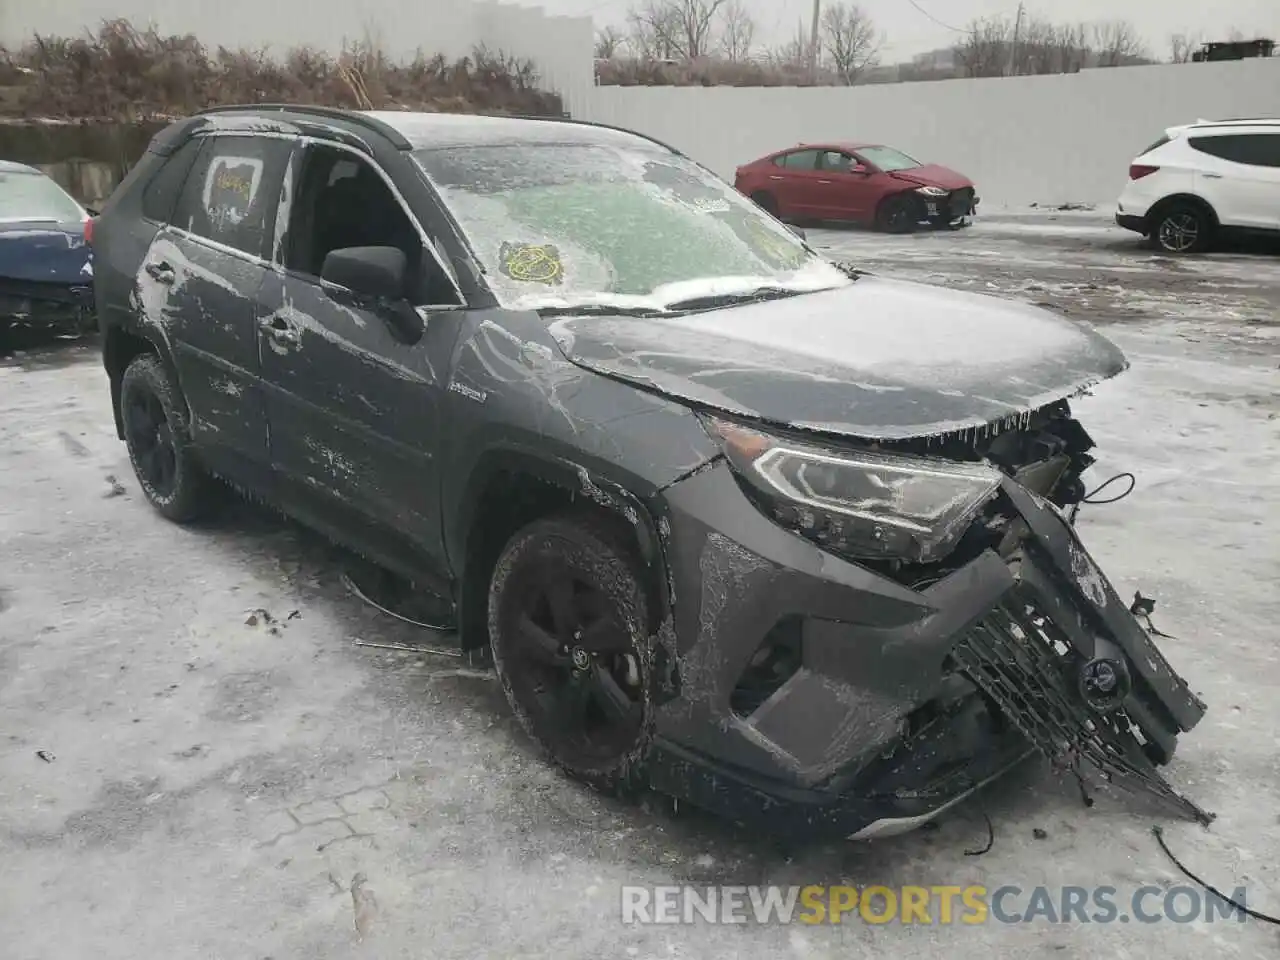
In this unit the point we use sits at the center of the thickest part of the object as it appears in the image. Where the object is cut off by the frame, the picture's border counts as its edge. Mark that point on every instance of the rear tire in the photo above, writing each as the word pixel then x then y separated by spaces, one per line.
pixel 899 214
pixel 159 443
pixel 570 633
pixel 766 202
pixel 1182 228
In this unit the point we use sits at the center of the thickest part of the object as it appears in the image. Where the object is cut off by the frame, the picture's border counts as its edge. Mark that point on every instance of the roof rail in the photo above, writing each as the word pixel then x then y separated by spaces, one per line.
pixel 598 126
pixel 332 113
pixel 1256 120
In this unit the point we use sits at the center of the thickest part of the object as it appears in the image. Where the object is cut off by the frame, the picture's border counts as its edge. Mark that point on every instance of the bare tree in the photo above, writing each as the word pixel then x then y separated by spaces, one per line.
pixel 609 41
pixel 1182 46
pixel 1117 43
pixel 850 40
pixel 676 28
pixel 984 51
pixel 737 31
pixel 792 54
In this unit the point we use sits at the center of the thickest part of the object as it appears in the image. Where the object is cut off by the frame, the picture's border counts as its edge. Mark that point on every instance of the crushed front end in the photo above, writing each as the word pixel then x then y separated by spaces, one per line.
pixel 53 307
pixel 864 636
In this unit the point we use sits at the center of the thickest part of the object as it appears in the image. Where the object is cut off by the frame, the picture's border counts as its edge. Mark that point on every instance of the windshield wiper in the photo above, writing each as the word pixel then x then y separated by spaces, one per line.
pixel 712 301
pixel 602 310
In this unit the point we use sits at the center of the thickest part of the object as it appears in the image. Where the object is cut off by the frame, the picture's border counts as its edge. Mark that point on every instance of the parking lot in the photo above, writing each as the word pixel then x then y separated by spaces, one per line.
pixel 181 776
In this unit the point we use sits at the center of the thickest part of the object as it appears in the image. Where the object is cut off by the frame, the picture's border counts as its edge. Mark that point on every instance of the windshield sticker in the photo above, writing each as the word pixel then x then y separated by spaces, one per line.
pixel 532 262
pixel 778 249
pixel 230 188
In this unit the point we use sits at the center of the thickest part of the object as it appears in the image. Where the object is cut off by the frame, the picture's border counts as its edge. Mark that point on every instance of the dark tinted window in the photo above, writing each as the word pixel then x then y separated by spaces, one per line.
pixel 162 191
pixel 1255 149
pixel 1159 143
pixel 232 191
pixel 800 160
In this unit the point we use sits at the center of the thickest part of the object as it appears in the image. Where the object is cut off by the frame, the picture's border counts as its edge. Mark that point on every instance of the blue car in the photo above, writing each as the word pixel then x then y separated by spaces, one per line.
pixel 46 263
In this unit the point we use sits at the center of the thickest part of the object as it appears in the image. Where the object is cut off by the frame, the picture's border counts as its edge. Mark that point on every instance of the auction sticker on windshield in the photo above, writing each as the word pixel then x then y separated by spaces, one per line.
pixel 532 262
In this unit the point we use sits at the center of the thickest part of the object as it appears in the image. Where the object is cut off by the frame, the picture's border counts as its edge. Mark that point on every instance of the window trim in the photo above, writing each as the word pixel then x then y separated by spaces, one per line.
pixel 298 142
pixel 306 142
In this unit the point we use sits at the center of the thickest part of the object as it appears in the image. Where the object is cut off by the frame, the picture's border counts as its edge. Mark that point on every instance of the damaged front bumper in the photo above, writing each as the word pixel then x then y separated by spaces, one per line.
pixel 816 697
pixel 55 307
pixel 956 208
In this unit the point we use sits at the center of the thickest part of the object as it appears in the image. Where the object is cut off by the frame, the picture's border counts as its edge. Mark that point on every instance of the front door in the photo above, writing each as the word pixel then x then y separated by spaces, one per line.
pixel 201 279
pixel 843 193
pixel 353 405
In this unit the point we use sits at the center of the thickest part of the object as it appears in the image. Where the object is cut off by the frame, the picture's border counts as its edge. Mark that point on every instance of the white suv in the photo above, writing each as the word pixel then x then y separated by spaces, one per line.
pixel 1203 180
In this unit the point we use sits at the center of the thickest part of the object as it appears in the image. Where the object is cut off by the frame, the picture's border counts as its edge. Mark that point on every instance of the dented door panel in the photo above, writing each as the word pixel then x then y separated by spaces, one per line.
pixel 353 411
pixel 203 299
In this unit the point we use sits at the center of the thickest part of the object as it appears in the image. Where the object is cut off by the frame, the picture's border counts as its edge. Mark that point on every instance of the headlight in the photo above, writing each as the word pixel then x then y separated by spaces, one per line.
pixel 932 191
pixel 865 504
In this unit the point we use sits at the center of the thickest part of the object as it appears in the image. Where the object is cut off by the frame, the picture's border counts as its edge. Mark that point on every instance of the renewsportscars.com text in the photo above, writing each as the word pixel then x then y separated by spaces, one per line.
pixel 942 905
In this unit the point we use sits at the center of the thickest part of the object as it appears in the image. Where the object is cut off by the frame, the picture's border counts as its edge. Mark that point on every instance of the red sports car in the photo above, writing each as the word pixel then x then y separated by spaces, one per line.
pixel 864 183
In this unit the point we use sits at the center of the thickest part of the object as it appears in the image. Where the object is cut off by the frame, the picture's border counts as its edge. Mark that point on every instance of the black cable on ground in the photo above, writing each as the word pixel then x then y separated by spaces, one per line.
pixel 1088 497
pixel 1159 834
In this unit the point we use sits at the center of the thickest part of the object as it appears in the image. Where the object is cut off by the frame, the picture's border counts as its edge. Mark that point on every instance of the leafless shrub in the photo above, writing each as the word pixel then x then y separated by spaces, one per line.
pixel 122 73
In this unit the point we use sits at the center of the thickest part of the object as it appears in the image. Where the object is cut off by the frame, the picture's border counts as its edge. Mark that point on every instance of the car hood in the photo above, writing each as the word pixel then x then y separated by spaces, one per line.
pixel 42 252
pixel 878 359
pixel 932 175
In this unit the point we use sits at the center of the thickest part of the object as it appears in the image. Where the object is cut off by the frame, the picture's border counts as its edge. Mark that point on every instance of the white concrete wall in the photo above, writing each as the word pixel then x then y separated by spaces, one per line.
pixel 1051 139
pixel 561 47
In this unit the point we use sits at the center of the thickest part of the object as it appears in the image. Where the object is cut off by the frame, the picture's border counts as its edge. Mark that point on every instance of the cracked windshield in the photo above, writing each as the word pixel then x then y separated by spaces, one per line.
pixel 587 224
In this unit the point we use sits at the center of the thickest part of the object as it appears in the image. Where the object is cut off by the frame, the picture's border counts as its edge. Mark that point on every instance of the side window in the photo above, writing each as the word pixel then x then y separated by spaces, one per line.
pixel 161 193
pixel 340 201
pixel 231 193
pixel 1254 149
pixel 836 161
pixel 799 160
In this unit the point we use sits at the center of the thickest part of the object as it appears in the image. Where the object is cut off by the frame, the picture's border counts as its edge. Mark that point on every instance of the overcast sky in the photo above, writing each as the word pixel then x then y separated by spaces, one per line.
pixel 909 31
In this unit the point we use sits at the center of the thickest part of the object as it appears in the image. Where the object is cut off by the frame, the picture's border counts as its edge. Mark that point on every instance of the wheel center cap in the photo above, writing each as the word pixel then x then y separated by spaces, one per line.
pixel 580 658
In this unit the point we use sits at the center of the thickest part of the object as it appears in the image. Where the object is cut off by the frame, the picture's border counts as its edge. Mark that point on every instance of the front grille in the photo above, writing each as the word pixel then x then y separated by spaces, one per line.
pixel 1023 662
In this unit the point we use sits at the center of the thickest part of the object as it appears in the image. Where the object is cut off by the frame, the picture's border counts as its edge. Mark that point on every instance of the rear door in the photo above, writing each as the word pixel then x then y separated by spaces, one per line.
pixel 793 181
pixel 1239 174
pixel 200 282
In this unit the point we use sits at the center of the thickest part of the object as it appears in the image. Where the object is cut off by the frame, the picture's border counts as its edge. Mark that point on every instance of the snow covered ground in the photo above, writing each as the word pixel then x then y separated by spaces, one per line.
pixel 209 787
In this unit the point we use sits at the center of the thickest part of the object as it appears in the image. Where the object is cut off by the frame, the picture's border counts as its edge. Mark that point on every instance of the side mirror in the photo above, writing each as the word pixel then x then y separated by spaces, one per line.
pixel 375 278
pixel 377 272
pixel 796 230
pixel 860 169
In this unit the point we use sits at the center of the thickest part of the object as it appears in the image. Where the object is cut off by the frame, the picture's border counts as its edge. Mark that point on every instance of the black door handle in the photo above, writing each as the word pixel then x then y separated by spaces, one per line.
pixel 161 270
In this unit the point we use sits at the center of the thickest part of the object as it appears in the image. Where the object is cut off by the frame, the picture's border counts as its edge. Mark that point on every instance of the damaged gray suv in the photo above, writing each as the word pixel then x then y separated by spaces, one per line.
pixel 785 541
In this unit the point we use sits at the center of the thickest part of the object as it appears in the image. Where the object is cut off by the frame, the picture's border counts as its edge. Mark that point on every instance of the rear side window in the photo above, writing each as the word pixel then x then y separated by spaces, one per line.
pixel 800 160
pixel 1254 149
pixel 1155 146
pixel 231 193
pixel 162 191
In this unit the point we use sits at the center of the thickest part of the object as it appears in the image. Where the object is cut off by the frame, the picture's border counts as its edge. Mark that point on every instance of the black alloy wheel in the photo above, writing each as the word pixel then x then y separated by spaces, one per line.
pixel 155 433
pixel 569 628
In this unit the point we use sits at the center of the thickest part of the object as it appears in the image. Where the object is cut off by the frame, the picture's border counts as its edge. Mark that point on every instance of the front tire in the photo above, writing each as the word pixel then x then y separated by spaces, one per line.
pixel 1182 228
pixel 899 214
pixel 159 444
pixel 570 633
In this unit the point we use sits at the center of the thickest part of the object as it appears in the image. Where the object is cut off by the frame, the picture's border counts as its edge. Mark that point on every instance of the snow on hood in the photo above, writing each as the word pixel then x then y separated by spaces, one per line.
pixel 878 359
